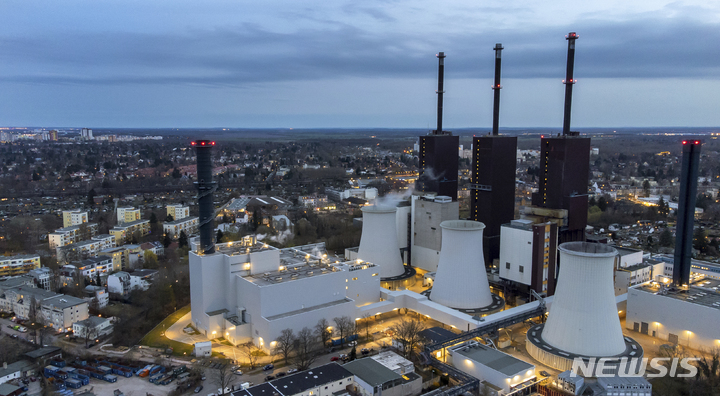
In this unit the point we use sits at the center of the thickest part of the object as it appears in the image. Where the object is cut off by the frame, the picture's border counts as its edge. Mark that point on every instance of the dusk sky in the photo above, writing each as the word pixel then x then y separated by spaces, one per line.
pixel 307 63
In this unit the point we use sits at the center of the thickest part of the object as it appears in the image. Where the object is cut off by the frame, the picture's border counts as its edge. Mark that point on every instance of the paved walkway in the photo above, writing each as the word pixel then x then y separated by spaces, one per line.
pixel 175 332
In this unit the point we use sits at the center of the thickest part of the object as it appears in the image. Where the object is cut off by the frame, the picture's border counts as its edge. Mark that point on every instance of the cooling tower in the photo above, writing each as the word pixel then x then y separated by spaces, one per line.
pixel 378 243
pixel 461 281
pixel 584 318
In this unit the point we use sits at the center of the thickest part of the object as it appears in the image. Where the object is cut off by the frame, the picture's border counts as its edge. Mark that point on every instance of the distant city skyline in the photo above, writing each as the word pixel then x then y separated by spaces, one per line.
pixel 282 63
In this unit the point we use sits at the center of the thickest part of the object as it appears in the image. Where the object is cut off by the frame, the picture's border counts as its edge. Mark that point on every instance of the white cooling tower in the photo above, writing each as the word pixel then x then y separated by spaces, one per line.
pixel 378 242
pixel 583 317
pixel 461 281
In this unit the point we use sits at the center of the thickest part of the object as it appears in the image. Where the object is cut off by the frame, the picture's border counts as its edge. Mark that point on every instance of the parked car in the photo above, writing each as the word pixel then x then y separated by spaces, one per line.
pixel 238 372
pixel 364 351
pixel 280 374
pixel 292 370
pixel 269 367
pixel 198 389
pixel 269 378
pixel 544 373
pixel 334 359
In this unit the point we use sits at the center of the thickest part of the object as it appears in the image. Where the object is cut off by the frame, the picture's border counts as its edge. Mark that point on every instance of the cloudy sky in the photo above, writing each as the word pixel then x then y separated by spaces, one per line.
pixel 336 63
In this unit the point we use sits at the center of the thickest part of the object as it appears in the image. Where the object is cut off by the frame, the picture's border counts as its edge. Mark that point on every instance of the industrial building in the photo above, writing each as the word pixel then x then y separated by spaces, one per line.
pixel 428 211
pixel 496 370
pixel 378 242
pixel 528 256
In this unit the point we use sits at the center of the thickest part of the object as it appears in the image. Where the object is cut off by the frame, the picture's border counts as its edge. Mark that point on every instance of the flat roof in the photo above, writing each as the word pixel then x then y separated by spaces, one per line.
pixel 696 295
pixel 371 371
pixel 19 257
pixel 40 352
pixel 309 379
pixel 493 358
pixel 20 365
pixel 63 301
pixel 181 221
pixel 436 334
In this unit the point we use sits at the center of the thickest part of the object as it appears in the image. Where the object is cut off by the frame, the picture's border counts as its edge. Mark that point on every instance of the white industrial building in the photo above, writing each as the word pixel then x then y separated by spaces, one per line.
pixel 428 211
pixel 690 318
pixel 251 291
pixel 496 370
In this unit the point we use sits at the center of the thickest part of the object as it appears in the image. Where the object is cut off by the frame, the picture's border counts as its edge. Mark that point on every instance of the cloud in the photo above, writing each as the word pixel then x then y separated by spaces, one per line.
pixel 653 46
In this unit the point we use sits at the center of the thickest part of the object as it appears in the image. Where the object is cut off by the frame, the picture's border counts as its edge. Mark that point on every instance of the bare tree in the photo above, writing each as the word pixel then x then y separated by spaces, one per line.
pixel 224 377
pixel 252 352
pixel 407 333
pixel 90 333
pixel 284 344
pixel 323 331
pixel 306 348
pixel 345 326
pixel 366 321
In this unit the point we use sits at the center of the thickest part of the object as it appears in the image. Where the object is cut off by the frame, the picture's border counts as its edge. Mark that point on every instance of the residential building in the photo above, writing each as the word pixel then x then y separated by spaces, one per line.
pixel 92 327
pixel 86 134
pixel 18 264
pixel 74 217
pixel 124 232
pixel 67 235
pixel 175 227
pixel 98 293
pixel 120 257
pixel 61 311
pixel 43 277
pixel 85 249
pixel 127 214
pixel 155 247
pixel 136 256
pixel 178 211
pixel 123 283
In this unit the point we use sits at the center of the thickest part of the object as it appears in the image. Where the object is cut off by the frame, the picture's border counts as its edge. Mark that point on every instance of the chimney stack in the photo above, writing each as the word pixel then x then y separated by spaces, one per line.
pixel 686 212
pixel 205 187
pixel 569 80
pixel 496 89
pixel 440 91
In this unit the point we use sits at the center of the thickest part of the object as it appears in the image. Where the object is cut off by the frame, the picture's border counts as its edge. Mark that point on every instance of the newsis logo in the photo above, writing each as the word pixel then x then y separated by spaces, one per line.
pixel 610 367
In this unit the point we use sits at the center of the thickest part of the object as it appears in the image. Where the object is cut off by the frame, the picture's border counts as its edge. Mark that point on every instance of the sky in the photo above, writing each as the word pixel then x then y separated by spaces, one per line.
pixel 355 64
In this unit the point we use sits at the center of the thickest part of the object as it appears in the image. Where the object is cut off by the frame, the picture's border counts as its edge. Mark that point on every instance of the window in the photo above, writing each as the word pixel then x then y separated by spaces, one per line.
pixel 522 269
pixel 355 278
pixel 507 265
pixel 375 274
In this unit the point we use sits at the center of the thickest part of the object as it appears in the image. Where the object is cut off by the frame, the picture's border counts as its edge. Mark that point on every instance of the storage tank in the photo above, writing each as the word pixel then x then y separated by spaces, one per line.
pixel 379 242
pixel 584 318
pixel 461 281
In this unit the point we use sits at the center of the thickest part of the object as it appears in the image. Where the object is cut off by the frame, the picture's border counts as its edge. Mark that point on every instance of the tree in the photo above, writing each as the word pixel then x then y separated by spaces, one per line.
pixel 182 240
pixel 90 334
pixel 252 353
pixel 151 259
pixel 224 377
pixel 344 326
pixel 602 203
pixel 176 174
pixel 366 321
pixel 167 240
pixel 646 187
pixel 666 238
pixel 91 197
pixel 700 240
pixel 663 207
pixel 323 331
pixel 284 344
pixel 306 349
pixel 169 218
pixel 353 353
pixel 407 333
pixel 256 221
pixel 219 236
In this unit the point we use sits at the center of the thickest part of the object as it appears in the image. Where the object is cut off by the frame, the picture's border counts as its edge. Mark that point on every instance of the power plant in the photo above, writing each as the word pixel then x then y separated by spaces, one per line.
pixel 461 279
pixel 378 242
pixel 583 321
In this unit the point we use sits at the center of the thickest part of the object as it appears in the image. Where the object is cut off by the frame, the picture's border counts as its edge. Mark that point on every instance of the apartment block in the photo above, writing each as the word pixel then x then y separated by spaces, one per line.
pixel 85 249
pixel 178 211
pixel 123 233
pixel 74 217
pixel 127 214
pixel 174 228
pixel 19 264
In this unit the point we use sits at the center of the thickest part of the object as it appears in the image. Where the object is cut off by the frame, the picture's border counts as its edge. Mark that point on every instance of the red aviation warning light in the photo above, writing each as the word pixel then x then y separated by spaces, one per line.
pixel 684 141
pixel 697 142
pixel 192 143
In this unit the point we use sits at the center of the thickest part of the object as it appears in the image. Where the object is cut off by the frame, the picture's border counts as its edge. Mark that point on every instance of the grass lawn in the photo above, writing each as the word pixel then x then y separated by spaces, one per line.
pixel 155 338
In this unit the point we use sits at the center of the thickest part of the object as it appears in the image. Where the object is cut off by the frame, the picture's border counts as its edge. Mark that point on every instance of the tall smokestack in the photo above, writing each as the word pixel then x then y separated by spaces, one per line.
pixel 440 91
pixel 569 81
pixel 206 187
pixel 496 88
pixel 686 212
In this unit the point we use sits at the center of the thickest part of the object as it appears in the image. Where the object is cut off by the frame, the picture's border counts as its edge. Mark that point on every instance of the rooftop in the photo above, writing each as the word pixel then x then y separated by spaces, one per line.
pixel 436 334
pixel 304 380
pixel 19 257
pixel 705 295
pixel 20 365
pixel 371 371
pixel 40 352
pixel 92 321
pixel 130 224
pixel 181 221
pixel 493 358
pixel 61 301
